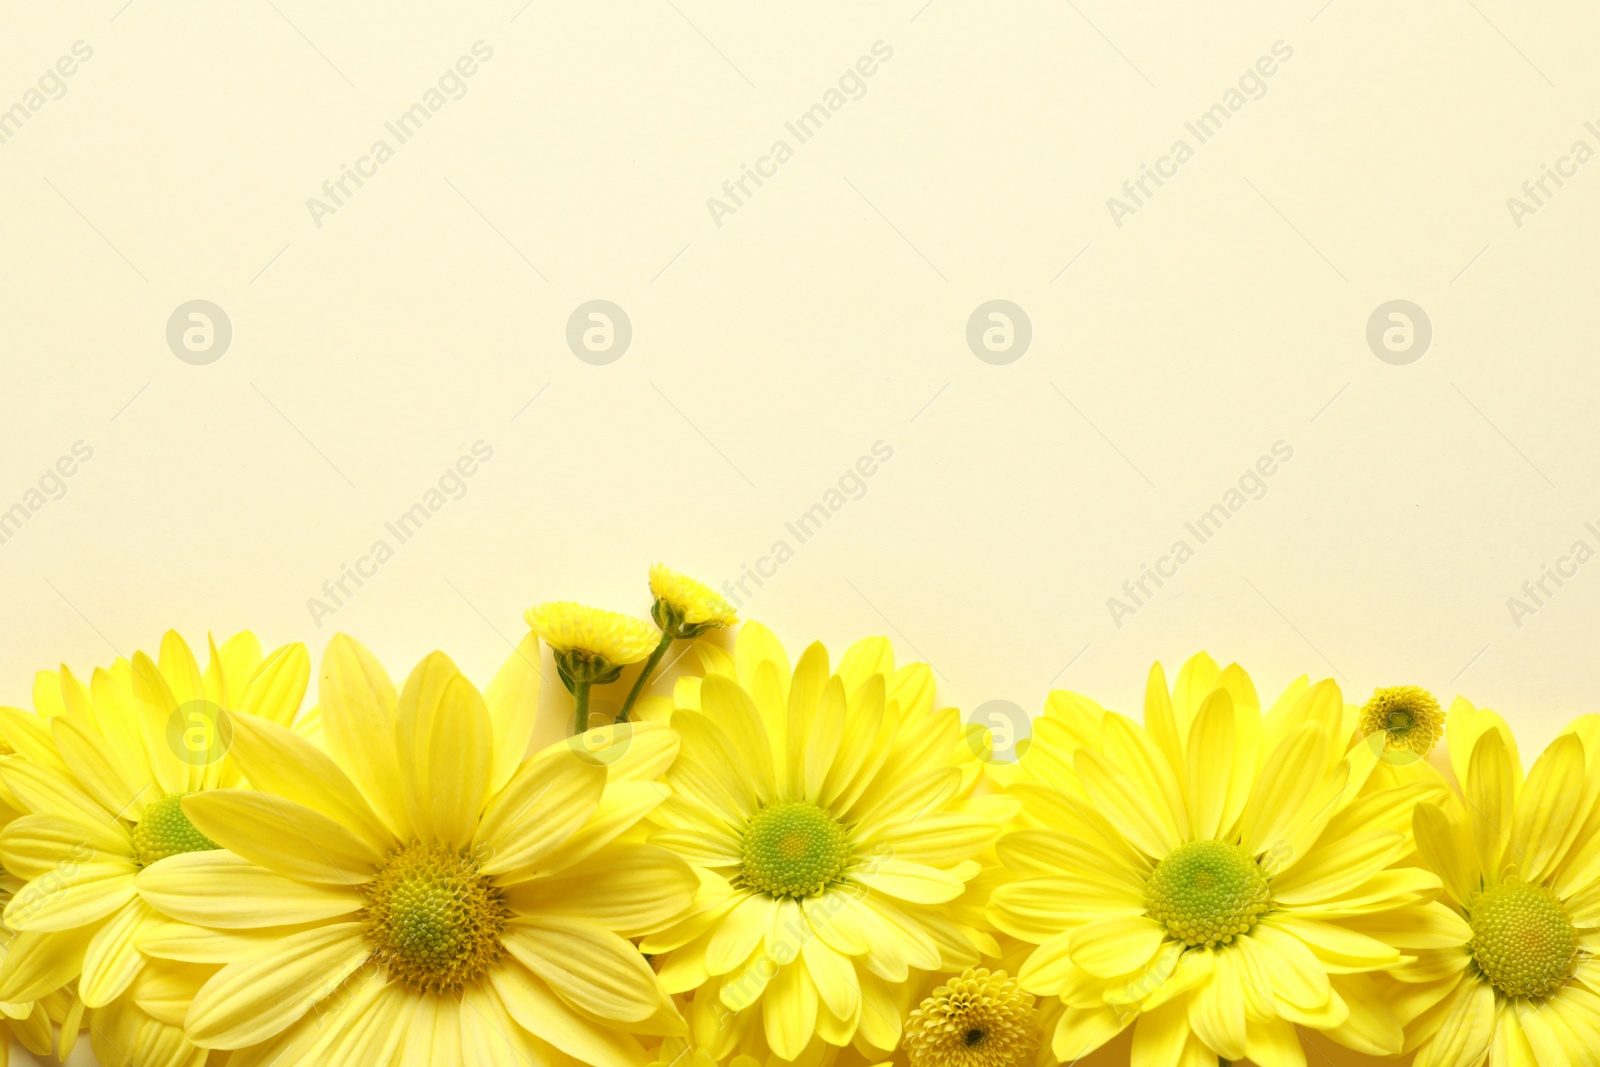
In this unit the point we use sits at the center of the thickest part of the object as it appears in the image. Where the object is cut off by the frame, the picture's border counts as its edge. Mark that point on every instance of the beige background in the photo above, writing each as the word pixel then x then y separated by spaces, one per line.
pixel 826 314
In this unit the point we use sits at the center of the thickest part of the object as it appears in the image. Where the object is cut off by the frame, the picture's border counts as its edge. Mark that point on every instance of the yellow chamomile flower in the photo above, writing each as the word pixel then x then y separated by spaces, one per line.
pixel 687 606
pixel 684 609
pixel 1214 878
pixel 590 645
pixel 1408 718
pixel 100 771
pixel 830 819
pixel 979 1018
pixel 1507 973
pixel 419 893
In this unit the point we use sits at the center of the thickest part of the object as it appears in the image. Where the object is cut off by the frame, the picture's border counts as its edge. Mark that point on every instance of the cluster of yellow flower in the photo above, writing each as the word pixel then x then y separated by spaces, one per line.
pixel 775 862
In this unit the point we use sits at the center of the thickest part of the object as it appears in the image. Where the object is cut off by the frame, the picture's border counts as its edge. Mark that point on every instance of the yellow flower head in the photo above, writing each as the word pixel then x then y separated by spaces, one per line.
pixel 1510 968
pixel 416 878
pixel 1187 877
pixel 591 644
pixel 977 1019
pixel 1409 717
pixel 569 627
pixel 127 746
pixel 689 604
pixel 828 810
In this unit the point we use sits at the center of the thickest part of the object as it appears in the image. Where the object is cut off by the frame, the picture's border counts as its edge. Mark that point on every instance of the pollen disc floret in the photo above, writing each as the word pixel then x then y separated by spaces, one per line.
pixel 1207 892
pixel 166 831
pixel 433 921
pixel 793 849
pixel 1409 717
pixel 1523 939
pixel 977 1019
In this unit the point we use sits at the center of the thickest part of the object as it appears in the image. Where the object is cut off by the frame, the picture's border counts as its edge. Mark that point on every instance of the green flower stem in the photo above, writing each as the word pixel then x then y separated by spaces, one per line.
pixel 644 675
pixel 580 693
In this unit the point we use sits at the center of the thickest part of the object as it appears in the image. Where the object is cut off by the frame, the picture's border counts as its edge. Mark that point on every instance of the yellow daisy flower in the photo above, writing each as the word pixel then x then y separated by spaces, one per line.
pixel 980 1018
pixel 100 771
pixel 684 609
pixel 687 605
pixel 829 817
pixel 1408 719
pixel 1214 878
pixel 1510 970
pixel 609 639
pixel 591 646
pixel 421 884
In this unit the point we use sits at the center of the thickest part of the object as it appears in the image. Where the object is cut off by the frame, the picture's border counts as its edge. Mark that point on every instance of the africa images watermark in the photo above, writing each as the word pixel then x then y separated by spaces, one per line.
pixel 50 86
pixel 450 486
pixel 851 485
pixel 1252 85
pixel 1251 486
pixel 1552 578
pixel 737 192
pixel 451 85
pixel 51 486
pixel 1565 167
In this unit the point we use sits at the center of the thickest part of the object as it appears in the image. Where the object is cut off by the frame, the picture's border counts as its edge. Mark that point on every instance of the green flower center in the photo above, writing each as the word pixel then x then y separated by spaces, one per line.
pixel 166 831
pixel 1207 892
pixel 1400 721
pixel 432 920
pixel 793 849
pixel 1523 939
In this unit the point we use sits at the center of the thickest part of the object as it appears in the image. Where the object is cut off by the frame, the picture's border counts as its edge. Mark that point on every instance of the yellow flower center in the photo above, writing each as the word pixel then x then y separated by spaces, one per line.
pixel 1207 892
pixel 166 831
pixel 432 920
pixel 978 1019
pixel 1408 717
pixel 793 849
pixel 1523 939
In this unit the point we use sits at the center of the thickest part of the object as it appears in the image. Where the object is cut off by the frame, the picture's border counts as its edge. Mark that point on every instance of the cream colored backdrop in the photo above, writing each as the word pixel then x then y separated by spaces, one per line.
pixel 1356 153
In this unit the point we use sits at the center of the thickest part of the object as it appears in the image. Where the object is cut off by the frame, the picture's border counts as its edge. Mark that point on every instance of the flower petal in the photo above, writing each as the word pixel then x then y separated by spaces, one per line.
pixel 632 889
pixel 229 892
pixel 37 964
pixel 1288 780
pixel 740 931
pixel 789 1010
pixel 547 1016
pixel 1145 819
pixel 72 895
pixel 1491 794
pixel 588 966
pixel 275 689
pixel 1111 947
pixel 282 836
pixel 549 798
pixel 1216 1009
pixel 276 760
pixel 357 705
pixel 915 883
pixel 512 701
pixel 112 959
pixel 445 746
pixel 250 1001
pixel 1544 825
pixel 1468 1026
